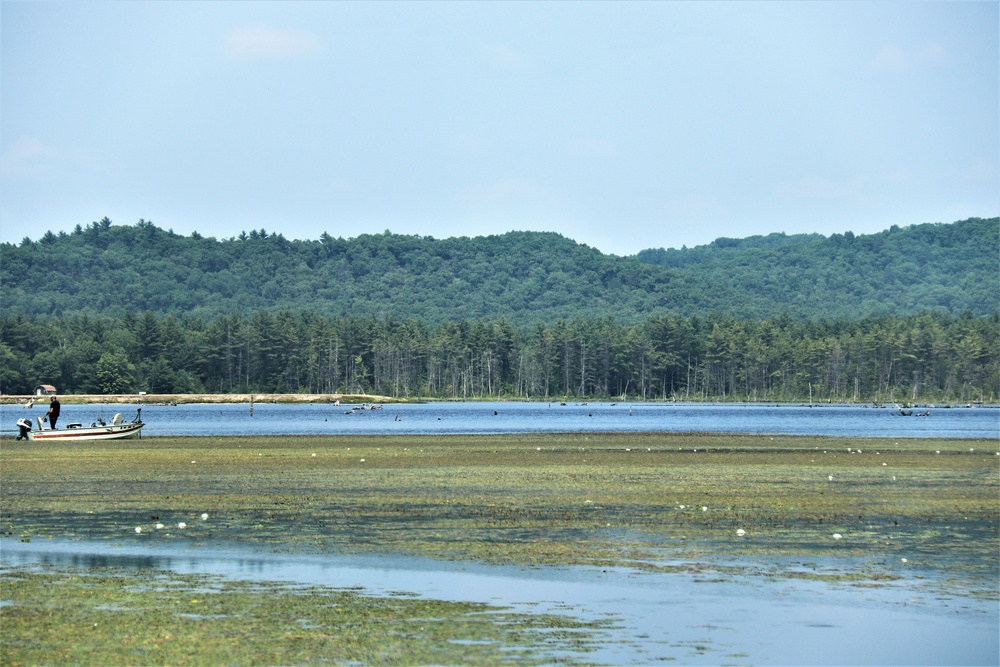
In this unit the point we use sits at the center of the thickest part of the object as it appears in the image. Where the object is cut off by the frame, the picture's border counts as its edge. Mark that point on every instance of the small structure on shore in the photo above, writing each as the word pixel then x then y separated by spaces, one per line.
pixel 45 390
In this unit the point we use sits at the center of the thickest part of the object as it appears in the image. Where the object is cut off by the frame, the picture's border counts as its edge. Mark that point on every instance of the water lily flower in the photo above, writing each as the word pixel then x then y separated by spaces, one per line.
pixel 182 525
pixel 741 532
pixel 138 529
pixel 204 517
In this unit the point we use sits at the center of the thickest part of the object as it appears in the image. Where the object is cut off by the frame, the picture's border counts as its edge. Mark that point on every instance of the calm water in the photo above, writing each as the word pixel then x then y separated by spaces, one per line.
pixel 466 418
pixel 707 618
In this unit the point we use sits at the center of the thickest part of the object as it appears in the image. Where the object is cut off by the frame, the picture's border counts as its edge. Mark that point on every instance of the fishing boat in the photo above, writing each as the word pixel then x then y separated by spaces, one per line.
pixel 116 430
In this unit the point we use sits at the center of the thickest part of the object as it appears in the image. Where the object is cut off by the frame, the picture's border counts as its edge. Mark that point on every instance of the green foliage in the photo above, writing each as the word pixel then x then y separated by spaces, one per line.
pixel 908 314
pixel 113 371
pixel 901 271
pixel 929 356
pixel 524 277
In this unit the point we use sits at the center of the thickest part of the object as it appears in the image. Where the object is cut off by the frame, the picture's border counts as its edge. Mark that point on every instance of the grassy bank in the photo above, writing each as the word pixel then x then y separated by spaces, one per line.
pixel 841 509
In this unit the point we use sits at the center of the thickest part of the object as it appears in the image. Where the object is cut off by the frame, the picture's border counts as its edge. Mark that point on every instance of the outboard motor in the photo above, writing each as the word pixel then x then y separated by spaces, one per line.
pixel 23 428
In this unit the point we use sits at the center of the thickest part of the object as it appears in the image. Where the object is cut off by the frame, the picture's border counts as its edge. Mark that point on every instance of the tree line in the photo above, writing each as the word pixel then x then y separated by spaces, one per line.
pixel 931 356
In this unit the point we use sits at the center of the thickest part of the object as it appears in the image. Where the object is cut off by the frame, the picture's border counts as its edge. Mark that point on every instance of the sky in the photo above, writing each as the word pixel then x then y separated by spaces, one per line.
pixel 621 125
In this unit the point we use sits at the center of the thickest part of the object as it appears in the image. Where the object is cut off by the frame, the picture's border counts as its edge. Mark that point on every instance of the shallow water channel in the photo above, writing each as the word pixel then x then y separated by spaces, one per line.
pixel 702 615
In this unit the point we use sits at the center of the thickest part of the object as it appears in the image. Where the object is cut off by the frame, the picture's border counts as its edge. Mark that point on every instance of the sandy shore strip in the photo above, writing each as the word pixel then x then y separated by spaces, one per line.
pixel 178 399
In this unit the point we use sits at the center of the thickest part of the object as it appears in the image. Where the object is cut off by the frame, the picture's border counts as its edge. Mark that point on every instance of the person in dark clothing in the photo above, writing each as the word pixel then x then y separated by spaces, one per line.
pixel 53 413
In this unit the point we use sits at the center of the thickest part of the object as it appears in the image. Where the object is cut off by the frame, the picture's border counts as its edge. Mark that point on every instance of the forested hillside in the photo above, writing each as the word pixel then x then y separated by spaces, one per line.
pixel 954 267
pixel 524 277
pixel 905 315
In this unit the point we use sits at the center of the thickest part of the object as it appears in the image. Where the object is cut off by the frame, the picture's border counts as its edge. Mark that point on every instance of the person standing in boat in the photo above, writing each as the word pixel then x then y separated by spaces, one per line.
pixel 53 413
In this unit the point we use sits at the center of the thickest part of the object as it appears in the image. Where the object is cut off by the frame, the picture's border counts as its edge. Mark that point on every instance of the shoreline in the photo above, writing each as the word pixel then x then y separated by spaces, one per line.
pixel 179 399
pixel 339 398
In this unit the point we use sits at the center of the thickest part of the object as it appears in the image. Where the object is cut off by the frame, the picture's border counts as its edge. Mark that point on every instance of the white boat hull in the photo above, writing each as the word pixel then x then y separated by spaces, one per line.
pixel 109 432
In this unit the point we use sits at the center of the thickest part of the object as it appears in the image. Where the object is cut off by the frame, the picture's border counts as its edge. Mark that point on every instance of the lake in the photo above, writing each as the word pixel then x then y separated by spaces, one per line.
pixel 534 417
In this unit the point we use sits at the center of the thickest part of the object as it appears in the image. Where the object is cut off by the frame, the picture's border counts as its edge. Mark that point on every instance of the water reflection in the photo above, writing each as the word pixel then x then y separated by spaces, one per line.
pixel 706 616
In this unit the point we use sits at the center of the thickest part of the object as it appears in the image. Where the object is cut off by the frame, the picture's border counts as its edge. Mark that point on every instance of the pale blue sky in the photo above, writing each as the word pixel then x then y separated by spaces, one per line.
pixel 621 125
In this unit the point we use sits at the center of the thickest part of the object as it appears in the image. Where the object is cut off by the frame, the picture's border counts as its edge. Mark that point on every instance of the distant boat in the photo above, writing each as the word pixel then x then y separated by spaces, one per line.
pixel 116 430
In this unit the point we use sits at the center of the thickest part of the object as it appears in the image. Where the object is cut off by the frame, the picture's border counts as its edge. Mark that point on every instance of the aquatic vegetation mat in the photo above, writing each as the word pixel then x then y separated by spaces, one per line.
pixel 852 511
pixel 107 616
pixel 616 499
